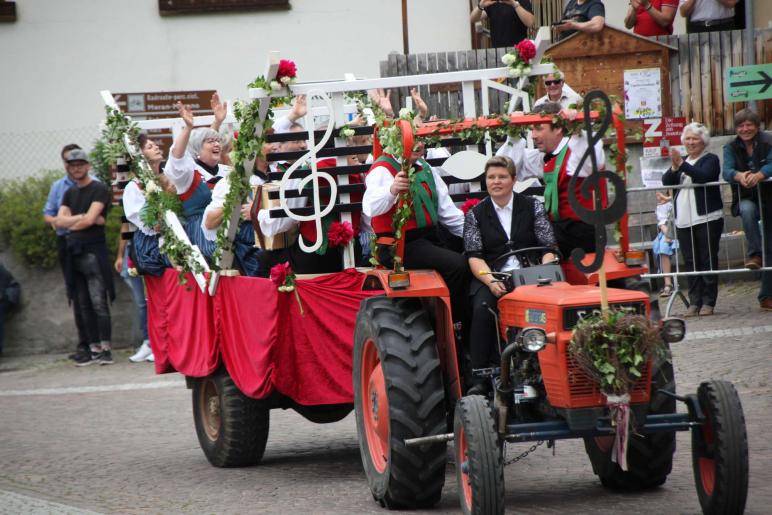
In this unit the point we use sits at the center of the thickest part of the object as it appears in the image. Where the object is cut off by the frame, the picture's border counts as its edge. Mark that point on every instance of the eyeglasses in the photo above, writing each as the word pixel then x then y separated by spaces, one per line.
pixel 212 141
pixel 553 82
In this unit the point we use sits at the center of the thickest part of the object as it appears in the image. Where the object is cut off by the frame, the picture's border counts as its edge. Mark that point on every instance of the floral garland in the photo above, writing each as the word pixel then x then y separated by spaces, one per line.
pixel 248 146
pixel 118 128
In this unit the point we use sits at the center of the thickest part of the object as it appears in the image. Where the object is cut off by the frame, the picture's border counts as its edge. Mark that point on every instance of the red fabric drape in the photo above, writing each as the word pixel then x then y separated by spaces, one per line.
pixel 265 343
pixel 181 326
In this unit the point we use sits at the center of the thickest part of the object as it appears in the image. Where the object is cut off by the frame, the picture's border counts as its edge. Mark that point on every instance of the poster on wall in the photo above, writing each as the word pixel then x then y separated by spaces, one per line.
pixel 643 93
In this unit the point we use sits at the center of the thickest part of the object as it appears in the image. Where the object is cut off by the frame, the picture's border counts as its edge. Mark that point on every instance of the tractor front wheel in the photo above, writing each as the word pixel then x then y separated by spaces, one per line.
pixel 720 450
pixel 232 428
pixel 479 463
pixel 649 457
pixel 398 394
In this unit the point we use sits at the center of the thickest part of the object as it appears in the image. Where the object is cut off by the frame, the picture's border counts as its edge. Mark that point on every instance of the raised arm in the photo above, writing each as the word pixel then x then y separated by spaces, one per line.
pixel 220 110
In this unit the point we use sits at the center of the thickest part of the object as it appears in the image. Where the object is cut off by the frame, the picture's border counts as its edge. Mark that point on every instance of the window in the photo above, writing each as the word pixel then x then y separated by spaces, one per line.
pixel 173 7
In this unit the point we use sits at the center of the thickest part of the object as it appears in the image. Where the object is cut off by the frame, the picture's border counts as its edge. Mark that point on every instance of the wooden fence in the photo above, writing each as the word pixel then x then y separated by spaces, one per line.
pixel 697 74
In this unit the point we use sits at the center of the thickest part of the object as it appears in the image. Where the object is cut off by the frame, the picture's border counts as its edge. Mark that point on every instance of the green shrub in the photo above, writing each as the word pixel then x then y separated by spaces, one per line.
pixel 21 220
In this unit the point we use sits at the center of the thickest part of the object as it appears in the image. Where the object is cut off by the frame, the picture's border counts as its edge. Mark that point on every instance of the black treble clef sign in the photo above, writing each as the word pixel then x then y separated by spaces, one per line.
pixel 592 187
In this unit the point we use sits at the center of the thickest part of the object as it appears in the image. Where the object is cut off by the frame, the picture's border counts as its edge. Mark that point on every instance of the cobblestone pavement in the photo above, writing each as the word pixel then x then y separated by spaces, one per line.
pixel 119 439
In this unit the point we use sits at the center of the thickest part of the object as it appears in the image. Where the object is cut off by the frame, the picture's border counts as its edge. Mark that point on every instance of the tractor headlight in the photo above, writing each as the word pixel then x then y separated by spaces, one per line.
pixel 673 330
pixel 533 339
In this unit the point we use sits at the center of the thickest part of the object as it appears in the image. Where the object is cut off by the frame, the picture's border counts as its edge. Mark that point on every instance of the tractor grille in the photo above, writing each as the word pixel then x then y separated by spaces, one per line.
pixel 571 316
pixel 584 390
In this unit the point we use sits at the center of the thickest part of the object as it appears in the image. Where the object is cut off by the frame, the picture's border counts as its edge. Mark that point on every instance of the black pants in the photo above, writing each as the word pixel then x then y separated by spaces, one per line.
pixel 573 234
pixel 423 249
pixel 699 246
pixel 91 292
pixel 87 329
pixel 483 344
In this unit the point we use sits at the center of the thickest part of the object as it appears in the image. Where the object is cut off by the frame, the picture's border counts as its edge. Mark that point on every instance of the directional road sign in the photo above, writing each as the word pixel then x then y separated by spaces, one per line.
pixel 749 82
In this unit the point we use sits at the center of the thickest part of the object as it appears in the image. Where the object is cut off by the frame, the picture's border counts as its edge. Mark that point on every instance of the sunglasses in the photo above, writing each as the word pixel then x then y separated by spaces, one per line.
pixel 553 82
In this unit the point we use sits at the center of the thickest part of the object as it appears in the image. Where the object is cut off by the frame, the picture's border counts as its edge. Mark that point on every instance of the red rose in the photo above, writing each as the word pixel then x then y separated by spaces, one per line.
pixel 526 49
pixel 280 272
pixel 469 204
pixel 287 68
pixel 340 233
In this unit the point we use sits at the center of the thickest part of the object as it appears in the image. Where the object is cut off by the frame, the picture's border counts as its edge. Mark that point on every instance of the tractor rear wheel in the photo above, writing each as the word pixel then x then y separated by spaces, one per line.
pixel 649 457
pixel 398 394
pixel 479 463
pixel 720 450
pixel 232 428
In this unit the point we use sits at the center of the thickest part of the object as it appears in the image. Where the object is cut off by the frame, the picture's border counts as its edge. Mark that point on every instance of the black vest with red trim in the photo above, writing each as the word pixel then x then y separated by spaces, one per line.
pixel 564 207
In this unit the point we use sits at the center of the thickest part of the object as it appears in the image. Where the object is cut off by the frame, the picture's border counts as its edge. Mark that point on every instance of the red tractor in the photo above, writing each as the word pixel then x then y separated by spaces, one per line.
pixel 409 395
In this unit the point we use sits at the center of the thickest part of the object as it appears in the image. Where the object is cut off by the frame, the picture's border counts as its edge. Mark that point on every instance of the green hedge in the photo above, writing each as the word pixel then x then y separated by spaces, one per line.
pixel 21 220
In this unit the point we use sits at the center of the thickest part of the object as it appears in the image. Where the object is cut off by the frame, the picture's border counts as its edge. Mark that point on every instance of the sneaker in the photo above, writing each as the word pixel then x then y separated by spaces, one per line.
pixel 85 360
pixel 150 358
pixel 766 304
pixel 106 357
pixel 80 352
pixel 753 263
pixel 142 353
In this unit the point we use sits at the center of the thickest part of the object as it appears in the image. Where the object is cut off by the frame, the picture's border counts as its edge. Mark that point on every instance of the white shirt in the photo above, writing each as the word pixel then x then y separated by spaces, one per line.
pixel 219 192
pixel 686 204
pixel 133 202
pixel 505 218
pixel 529 162
pixel 705 10
pixel 663 212
pixel 180 172
pixel 567 97
pixel 378 199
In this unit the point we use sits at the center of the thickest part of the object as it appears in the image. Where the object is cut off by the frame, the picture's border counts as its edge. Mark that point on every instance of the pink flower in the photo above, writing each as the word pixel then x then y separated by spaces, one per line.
pixel 469 204
pixel 287 68
pixel 526 49
pixel 340 233
pixel 280 272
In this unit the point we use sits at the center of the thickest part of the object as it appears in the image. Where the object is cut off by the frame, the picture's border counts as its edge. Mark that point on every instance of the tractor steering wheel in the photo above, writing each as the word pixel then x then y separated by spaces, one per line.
pixel 525 256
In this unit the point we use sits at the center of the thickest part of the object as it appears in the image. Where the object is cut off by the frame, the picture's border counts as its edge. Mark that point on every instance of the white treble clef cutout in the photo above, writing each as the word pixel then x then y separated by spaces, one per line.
pixel 314 177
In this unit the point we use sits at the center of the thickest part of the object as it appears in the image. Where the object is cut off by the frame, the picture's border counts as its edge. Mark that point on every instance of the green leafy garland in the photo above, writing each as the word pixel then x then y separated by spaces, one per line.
pixel 112 146
pixel 246 148
pixel 613 348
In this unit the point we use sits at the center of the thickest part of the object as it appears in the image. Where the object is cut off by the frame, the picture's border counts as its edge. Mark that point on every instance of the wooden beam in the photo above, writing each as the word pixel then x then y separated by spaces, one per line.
pixel 405 35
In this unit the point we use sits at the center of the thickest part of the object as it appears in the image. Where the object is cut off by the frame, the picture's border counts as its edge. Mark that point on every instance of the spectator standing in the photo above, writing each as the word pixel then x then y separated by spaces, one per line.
pixel 748 162
pixel 582 16
pixel 708 15
pixel 87 330
pixel 88 272
pixel 557 91
pixel 699 217
pixel 9 297
pixel 664 245
pixel 651 17
pixel 509 20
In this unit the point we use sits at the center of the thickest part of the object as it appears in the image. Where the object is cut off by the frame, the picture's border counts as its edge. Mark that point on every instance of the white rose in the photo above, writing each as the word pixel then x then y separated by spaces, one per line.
pixel 282 288
pixel 275 85
pixel 152 187
pixel 347 133
pixel 526 70
pixel 515 72
pixel 285 80
pixel 508 59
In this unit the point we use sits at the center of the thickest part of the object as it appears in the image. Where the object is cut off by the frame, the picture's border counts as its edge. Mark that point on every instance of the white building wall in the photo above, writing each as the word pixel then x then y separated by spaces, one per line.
pixel 59 54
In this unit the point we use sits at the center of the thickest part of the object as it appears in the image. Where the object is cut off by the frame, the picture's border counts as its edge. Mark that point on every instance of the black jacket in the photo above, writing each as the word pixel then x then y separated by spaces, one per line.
pixel 494 239
pixel 736 158
pixel 10 291
pixel 706 169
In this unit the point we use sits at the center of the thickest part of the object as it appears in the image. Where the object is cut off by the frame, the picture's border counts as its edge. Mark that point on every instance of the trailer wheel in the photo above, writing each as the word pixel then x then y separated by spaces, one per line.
pixel 649 457
pixel 479 463
pixel 398 394
pixel 232 428
pixel 720 450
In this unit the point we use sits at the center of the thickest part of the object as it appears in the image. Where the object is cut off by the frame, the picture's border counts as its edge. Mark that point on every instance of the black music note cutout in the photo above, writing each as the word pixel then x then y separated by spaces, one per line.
pixel 598 216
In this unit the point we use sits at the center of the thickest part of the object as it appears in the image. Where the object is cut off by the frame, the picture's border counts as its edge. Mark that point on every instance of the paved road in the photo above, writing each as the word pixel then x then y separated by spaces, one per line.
pixel 119 439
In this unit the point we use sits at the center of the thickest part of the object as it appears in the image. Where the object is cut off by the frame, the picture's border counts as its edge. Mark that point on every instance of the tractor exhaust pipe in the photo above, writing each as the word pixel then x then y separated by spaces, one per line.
pixel 504 388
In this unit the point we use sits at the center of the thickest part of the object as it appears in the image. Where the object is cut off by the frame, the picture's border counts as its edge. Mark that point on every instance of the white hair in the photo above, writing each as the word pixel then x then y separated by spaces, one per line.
pixel 197 137
pixel 698 130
